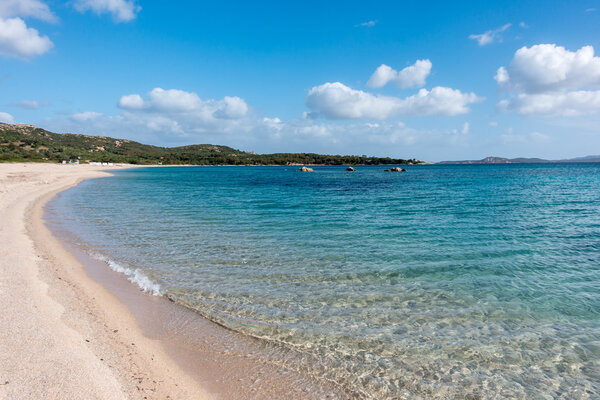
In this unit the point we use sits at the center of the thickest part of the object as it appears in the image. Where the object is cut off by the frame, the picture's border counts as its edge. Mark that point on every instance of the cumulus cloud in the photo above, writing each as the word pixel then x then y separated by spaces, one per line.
pixel 548 67
pixel 6 118
pixel 490 36
pixel 19 41
pixel 411 76
pixel 550 80
pixel 180 102
pixel 168 116
pixel 337 101
pixel 121 10
pixel 26 8
pixel 131 102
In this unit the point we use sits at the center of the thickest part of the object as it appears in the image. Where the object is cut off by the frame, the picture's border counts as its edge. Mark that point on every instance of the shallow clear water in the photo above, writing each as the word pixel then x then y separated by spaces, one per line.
pixel 442 282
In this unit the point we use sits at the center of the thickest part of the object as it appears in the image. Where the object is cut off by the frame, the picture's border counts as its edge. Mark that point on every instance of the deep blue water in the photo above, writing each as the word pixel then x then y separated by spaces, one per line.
pixel 441 282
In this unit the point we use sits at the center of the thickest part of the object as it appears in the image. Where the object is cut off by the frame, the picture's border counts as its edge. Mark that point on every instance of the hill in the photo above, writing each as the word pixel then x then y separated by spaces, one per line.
pixel 521 160
pixel 29 143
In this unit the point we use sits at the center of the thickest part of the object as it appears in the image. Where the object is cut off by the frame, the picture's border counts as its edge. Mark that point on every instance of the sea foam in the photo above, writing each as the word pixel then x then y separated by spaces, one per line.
pixel 134 275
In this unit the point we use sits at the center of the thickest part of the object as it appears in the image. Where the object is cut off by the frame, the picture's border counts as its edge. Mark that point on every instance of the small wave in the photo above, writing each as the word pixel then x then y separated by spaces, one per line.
pixel 134 275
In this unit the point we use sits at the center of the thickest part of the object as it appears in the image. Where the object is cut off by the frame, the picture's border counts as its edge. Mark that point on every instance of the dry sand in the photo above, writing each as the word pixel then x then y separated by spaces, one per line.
pixel 63 335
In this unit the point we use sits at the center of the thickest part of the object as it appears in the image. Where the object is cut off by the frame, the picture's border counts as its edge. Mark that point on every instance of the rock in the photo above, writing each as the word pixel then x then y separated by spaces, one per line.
pixel 395 169
pixel 350 169
pixel 306 169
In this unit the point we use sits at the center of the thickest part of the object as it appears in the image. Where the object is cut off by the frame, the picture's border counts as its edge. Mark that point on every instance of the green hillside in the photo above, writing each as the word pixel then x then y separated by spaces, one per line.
pixel 29 143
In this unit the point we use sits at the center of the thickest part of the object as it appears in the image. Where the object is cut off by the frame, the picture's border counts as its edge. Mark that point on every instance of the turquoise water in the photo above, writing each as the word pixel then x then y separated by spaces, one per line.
pixel 442 282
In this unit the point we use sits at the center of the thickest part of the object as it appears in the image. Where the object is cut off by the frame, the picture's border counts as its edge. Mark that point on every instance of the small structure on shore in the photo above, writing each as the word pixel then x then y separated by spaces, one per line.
pixel 306 169
pixel 395 169
pixel 350 169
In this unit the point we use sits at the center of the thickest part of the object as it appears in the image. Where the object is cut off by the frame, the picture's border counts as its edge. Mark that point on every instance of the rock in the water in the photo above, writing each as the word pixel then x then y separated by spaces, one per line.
pixel 306 169
pixel 350 169
pixel 395 169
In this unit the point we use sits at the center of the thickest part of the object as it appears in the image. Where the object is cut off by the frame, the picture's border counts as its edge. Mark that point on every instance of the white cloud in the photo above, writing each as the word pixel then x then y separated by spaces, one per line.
pixel 523 25
pixel 548 67
pixel 132 102
pixel 490 36
pixel 363 135
pixel 337 101
pixel 368 24
pixel 171 125
pixel 550 80
pixel 501 76
pixel 167 116
pixel 411 76
pixel 232 108
pixel 180 102
pixel 6 118
pixel 19 41
pixel 493 124
pixel 567 104
pixel 590 9
pixel 121 10
pixel 26 8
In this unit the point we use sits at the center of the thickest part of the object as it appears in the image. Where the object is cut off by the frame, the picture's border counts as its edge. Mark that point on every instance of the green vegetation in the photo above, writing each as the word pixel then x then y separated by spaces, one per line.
pixel 29 143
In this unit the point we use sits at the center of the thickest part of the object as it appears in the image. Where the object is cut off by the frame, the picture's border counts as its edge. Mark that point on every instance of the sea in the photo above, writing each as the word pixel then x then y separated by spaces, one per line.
pixel 441 282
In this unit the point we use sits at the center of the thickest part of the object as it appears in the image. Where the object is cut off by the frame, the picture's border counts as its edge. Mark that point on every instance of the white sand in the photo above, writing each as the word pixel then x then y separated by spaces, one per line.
pixel 62 335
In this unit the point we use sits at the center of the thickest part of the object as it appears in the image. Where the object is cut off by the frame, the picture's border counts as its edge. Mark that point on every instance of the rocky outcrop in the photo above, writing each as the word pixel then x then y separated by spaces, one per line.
pixel 395 169
pixel 306 169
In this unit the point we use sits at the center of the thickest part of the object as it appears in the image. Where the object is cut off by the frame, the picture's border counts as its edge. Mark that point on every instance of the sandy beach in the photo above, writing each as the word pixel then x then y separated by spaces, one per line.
pixel 63 335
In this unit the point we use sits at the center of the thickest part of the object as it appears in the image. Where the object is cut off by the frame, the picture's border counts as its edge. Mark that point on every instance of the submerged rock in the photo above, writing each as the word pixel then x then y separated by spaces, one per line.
pixel 350 169
pixel 395 169
pixel 306 169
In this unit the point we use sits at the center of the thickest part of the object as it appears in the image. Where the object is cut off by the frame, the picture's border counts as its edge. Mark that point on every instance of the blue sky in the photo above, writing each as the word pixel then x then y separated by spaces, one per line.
pixel 435 81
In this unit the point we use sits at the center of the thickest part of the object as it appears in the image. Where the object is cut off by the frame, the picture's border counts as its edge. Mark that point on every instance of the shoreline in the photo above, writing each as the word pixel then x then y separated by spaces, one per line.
pixel 64 335
pixel 145 346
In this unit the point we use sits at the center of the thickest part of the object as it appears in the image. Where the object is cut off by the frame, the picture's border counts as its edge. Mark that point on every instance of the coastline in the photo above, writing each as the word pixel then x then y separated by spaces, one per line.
pixel 64 335
pixel 96 334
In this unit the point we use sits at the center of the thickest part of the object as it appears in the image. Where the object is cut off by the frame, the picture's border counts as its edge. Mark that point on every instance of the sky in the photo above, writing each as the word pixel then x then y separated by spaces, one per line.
pixel 427 80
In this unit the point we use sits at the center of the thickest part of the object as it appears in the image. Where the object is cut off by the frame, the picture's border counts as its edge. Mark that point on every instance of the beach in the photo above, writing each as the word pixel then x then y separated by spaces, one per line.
pixel 267 283
pixel 63 335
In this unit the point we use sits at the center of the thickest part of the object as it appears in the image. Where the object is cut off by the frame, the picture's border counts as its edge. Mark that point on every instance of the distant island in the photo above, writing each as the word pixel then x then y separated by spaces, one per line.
pixel 20 142
pixel 521 160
